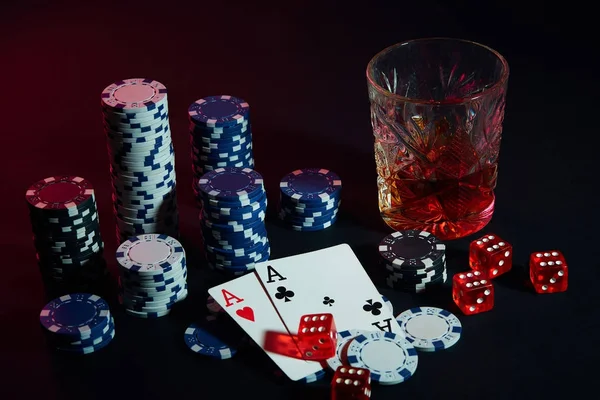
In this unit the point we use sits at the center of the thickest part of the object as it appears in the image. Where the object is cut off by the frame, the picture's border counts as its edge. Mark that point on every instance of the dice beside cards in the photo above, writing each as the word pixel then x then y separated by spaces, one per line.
pixel 280 292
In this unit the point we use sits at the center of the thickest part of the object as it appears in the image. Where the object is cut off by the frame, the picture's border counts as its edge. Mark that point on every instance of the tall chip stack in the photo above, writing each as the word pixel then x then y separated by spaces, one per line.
pixel 152 275
pixel 220 135
pixel 415 261
pixel 136 122
pixel 310 199
pixel 234 204
pixel 66 233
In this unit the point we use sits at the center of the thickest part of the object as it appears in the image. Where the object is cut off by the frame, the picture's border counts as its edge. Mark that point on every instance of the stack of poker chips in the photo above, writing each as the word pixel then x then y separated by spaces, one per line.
pixel 78 323
pixel 66 232
pixel 220 134
pixel 136 122
pixel 415 260
pixel 310 199
pixel 153 275
pixel 234 204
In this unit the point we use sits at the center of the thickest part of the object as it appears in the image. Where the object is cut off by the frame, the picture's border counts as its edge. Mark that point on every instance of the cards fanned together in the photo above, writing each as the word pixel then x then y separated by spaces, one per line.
pixel 270 302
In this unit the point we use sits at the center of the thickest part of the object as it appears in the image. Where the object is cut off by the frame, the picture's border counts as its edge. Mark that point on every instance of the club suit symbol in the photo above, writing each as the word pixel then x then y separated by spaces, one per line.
pixel 374 307
pixel 284 294
pixel 328 301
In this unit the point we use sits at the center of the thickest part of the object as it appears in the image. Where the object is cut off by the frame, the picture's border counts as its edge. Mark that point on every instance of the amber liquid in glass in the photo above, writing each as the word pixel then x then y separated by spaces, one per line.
pixel 443 186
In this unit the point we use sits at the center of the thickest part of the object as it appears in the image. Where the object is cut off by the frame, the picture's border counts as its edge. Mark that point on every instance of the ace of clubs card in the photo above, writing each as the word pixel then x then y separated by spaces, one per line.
pixel 331 280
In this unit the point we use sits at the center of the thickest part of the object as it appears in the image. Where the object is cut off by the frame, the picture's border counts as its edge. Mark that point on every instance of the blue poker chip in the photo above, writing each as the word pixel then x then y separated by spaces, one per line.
pixel 219 111
pixel 232 241
pixel 250 251
pixel 313 228
pixel 202 342
pixel 259 205
pixel 231 183
pixel 76 315
pixel 231 226
pixel 239 262
pixel 219 131
pixel 104 335
pixel 309 207
pixel 306 221
pixel 83 349
pixel 237 217
pixel 311 185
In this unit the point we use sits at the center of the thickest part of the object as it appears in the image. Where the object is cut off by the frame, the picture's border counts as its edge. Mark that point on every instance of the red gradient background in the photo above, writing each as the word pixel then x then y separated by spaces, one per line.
pixel 300 65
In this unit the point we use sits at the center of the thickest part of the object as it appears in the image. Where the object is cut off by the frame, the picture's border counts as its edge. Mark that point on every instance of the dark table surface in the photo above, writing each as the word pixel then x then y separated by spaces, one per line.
pixel 301 67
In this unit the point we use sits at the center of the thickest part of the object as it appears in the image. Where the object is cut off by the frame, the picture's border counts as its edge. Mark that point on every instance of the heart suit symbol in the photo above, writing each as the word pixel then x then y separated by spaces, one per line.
pixel 246 313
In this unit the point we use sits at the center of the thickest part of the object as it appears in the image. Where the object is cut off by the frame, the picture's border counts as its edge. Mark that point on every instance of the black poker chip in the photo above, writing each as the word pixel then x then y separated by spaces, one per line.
pixel 414 260
pixel 66 231
pixel 416 287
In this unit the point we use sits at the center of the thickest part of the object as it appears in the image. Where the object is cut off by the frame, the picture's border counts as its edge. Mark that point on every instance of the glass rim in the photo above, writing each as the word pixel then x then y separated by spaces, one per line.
pixel 499 83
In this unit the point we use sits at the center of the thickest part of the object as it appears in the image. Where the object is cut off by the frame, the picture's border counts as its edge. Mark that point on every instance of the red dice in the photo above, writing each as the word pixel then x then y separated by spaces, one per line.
pixel 350 383
pixel 472 292
pixel 491 254
pixel 548 272
pixel 317 336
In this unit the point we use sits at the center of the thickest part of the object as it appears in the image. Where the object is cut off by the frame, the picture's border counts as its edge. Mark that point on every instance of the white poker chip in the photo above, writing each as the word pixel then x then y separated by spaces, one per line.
pixel 343 340
pixel 391 358
pixel 430 328
pixel 150 254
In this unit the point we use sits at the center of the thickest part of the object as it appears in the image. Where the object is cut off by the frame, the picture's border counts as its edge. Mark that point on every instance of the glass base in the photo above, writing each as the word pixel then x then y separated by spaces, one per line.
pixel 443 230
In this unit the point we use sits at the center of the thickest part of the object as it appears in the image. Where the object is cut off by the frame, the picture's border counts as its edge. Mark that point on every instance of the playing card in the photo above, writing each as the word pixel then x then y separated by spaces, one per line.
pixel 330 280
pixel 244 299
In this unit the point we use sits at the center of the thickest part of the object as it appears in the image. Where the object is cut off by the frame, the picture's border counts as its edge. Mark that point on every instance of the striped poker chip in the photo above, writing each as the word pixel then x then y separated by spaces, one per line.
pixel 76 315
pixel 60 193
pixel 202 342
pixel 430 328
pixel 311 185
pixel 136 95
pixel 150 254
pixel 412 250
pixel 219 111
pixel 231 184
pixel 343 341
pixel 391 358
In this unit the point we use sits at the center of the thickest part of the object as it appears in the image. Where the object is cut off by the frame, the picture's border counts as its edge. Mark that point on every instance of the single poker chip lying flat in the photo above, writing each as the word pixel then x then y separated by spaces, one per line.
pixel 219 111
pixel 430 328
pixel 231 183
pixel 391 358
pixel 60 193
pixel 77 314
pixel 202 342
pixel 412 249
pixel 310 185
